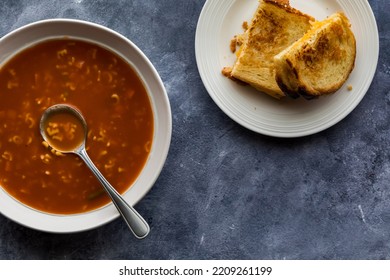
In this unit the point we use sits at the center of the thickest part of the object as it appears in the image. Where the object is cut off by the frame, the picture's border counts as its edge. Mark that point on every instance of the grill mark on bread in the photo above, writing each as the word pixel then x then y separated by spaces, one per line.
pixel 285 89
pixel 292 68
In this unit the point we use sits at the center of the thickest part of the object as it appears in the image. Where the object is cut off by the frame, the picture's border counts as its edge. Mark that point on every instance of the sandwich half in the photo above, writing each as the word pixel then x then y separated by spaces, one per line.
pixel 274 26
pixel 320 62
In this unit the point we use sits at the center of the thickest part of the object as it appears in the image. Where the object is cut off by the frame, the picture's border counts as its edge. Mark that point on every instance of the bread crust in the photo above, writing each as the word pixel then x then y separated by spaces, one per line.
pixel 285 5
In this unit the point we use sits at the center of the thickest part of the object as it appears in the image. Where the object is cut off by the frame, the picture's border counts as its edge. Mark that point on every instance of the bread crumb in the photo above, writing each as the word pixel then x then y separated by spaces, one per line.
pixel 227 72
pixel 233 43
pixel 349 87
pixel 245 25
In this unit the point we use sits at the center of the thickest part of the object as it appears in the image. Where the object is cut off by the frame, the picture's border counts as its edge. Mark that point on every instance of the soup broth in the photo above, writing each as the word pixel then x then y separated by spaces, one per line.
pixel 114 102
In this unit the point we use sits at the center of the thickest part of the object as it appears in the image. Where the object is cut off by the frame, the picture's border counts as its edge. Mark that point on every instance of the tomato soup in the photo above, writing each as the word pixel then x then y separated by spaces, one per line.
pixel 114 102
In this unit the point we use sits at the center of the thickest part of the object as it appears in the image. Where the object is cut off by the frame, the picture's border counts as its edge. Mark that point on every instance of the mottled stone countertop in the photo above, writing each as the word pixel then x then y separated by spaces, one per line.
pixel 226 192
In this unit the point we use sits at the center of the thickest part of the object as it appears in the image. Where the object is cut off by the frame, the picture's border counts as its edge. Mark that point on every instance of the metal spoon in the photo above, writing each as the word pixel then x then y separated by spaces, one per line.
pixel 133 219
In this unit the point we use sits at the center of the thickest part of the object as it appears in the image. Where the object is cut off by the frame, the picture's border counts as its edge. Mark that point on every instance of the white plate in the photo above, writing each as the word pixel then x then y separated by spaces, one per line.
pixel 221 20
pixel 38 31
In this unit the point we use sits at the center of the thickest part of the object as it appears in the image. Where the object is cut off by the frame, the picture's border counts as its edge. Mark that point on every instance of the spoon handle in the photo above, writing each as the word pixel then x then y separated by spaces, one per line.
pixel 134 220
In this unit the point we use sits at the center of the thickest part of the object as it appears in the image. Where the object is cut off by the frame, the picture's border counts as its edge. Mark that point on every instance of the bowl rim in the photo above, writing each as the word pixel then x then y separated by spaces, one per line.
pixel 58 223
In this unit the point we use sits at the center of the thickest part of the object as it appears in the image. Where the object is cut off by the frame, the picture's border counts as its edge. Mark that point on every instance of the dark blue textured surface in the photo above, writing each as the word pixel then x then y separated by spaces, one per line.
pixel 226 192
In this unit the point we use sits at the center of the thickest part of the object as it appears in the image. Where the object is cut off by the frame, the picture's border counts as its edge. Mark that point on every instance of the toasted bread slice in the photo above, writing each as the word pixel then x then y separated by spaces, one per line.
pixel 320 62
pixel 274 26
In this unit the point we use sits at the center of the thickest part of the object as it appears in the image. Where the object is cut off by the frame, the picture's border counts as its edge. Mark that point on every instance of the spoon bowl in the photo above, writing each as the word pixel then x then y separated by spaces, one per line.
pixel 64 128
pixel 61 113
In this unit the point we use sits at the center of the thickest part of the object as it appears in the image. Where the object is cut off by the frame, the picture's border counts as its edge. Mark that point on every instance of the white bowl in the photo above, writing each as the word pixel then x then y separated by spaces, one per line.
pixel 33 33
